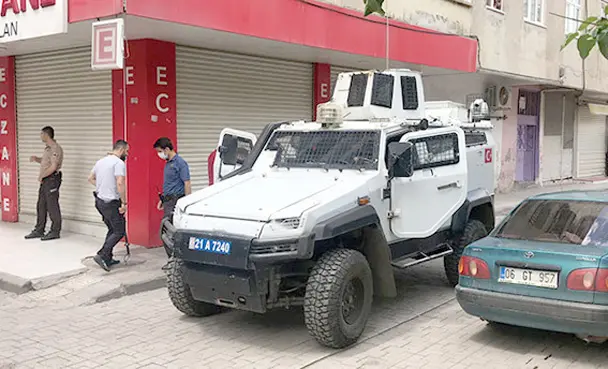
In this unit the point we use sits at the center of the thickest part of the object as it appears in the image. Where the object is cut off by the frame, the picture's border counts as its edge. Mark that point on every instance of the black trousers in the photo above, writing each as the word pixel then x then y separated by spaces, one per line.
pixel 169 202
pixel 116 226
pixel 48 203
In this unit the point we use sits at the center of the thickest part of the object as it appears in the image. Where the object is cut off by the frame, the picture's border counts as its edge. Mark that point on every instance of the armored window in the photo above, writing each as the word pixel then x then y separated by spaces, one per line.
pixel 382 90
pixel 409 93
pixel 356 91
pixel 356 149
pixel 436 151
pixel 475 138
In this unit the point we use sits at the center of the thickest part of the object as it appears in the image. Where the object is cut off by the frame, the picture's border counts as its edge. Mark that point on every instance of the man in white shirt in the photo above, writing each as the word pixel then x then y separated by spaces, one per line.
pixel 108 177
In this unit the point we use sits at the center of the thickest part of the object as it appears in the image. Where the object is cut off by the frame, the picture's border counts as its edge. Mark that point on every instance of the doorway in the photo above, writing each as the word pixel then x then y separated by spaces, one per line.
pixel 528 114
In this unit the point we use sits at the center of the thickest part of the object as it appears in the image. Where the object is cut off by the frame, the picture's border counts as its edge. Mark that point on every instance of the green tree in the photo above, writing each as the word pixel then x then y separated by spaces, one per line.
pixel 373 6
pixel 592 31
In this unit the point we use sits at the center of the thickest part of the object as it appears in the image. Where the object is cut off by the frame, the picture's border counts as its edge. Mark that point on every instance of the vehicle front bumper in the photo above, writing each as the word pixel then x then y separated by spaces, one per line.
pixel 534 312
pixel 167 234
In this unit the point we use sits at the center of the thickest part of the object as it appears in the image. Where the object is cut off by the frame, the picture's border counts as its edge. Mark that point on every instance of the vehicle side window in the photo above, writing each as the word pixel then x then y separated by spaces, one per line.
pixel 436 151
pixel 243 149
pixel 475 138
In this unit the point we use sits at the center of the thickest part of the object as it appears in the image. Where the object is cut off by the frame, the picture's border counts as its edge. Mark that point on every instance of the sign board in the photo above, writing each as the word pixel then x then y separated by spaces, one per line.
pixel 107 50
pixel 26 19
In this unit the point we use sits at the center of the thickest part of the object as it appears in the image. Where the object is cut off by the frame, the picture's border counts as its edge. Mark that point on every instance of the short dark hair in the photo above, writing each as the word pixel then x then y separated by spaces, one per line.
pixel 164 143
pixel 49 131
pixel 120 144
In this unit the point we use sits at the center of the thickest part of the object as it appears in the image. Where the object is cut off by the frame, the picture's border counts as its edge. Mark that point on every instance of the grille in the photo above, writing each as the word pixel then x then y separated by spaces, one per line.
pixel 326 149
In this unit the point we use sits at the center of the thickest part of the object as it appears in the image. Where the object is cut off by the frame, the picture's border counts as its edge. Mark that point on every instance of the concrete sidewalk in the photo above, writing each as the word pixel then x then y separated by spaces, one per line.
pixel 63 269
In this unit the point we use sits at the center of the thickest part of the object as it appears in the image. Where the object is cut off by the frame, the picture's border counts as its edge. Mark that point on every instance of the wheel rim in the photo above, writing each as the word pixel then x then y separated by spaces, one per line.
pixel 352 301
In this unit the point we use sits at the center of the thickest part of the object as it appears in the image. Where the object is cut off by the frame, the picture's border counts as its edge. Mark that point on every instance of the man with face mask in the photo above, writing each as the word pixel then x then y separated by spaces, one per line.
pixel 176 182
pixel 50 182
pixel 108 177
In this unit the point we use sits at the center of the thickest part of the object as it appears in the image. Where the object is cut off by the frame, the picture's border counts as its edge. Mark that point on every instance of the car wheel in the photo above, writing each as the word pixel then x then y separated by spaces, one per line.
pixel 473 231
pixel 338 299
pixel 180 294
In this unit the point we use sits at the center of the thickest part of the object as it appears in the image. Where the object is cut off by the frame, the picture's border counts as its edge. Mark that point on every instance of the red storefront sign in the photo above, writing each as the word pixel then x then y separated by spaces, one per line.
pixel 107 45
pixel 8 142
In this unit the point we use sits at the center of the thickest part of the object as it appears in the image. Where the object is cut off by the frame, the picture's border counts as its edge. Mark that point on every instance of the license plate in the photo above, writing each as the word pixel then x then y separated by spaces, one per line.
pixel 208 245
pixel 538 278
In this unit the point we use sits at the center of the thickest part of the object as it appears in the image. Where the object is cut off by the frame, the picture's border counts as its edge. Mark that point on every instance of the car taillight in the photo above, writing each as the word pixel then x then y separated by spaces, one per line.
pixel 469 266
pixel 588 279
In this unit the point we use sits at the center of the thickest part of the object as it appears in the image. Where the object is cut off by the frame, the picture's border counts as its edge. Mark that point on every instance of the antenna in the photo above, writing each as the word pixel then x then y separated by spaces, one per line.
pixel 387 34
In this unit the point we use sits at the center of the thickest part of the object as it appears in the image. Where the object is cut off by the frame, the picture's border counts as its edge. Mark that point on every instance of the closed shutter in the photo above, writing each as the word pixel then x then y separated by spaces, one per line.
pixel 335 70
pixel 216 90
pixel 591 143
pixel 59 89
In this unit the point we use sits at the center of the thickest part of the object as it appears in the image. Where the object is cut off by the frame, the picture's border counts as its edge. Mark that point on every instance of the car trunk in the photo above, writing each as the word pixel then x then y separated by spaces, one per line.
pixel 538 269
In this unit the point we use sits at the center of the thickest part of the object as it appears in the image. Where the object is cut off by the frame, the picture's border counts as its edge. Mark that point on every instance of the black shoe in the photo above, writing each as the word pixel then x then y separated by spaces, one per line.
pixel 34 234
pixel 50 236
pixel 113 262
pixel 102 263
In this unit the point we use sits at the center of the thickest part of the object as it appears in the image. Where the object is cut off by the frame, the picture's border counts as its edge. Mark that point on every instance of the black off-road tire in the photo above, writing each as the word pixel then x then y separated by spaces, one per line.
pixel 473 231
pixel 180 295
pixel 337 274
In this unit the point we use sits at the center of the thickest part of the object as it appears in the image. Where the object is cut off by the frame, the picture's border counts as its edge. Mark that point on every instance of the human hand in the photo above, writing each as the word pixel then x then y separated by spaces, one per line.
pixel 33 158
pixel 160 206
pixel 122 209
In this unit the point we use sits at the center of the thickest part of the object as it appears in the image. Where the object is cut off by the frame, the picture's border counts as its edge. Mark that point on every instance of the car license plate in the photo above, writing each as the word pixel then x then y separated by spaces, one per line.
pixel 538 278
pixel 208 245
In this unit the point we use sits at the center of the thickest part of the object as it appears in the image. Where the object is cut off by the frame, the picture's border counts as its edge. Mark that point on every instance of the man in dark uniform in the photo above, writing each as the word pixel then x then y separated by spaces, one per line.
pixel 50 182
pixel 176 182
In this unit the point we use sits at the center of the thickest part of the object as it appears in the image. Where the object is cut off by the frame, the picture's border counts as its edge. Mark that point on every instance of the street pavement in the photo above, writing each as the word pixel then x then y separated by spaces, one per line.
pixel 422 328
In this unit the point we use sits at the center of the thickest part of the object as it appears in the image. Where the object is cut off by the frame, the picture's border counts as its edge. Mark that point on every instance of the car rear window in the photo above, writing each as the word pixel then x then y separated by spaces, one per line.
pixel 573 222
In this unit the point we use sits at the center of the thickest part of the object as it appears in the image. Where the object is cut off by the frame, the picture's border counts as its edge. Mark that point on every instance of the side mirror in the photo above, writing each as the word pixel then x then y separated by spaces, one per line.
pixel 228 150
pixel 400 160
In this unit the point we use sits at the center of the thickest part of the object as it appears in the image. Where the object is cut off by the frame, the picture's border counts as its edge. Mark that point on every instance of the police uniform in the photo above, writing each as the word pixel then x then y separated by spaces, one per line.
pixel 176 174
pixel 48 194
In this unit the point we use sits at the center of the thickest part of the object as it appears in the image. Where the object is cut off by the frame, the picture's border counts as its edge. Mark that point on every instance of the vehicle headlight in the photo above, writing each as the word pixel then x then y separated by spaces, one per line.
pixel 177 215
pixel 287 223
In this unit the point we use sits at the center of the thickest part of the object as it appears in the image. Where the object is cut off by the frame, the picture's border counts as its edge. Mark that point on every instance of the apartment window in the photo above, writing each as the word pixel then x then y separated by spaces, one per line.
pixel 533 10
pixel 573 11
pixel 494 4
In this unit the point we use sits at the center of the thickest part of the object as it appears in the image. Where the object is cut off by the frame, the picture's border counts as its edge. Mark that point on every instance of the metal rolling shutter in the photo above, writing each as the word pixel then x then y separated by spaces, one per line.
pixel 59 89
pixel 591 144
pixel 335 70
pixel 218 89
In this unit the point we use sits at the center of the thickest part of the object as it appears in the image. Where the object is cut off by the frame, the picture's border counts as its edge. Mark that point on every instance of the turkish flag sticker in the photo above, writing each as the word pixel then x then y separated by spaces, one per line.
pixel 488 156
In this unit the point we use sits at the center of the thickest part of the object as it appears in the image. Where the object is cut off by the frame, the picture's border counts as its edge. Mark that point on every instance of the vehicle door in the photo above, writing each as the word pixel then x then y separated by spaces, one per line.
pixel 422 203
pixel 234 146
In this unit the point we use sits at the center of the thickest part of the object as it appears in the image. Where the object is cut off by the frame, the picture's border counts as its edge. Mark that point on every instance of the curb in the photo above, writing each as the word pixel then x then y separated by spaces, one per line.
pixel 14 284
pixel 129 289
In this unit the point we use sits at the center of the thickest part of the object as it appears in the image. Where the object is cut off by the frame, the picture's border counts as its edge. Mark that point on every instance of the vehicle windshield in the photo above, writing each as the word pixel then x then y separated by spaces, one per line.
pixel 328 149
pixel 564 221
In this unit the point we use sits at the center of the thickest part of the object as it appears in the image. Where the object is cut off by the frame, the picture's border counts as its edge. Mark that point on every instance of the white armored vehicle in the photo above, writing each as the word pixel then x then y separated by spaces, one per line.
pixel 319 213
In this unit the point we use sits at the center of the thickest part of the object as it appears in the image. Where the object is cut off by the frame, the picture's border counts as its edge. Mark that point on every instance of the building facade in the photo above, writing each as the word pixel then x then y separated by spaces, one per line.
pixel 193 67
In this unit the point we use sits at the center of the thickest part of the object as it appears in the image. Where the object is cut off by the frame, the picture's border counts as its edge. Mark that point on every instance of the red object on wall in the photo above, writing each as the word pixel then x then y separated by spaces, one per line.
pixel 210 164
pixel 9 194
pixel 317 24
pixel 322 86
pixel 80 10
pixel 151 113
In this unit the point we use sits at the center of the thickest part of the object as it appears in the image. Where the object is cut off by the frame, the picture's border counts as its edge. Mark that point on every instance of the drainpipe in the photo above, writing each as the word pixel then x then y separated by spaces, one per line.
pixel 561 141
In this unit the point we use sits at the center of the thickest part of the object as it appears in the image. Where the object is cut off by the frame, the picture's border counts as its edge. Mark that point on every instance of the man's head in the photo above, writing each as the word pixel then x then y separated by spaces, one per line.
pixel 121 149
pixel 47 134
pixel 164 148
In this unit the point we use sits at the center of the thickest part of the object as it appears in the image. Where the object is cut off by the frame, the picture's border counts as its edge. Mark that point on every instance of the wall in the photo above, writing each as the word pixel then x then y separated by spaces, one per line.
pixel 508 43
pixel 508 147
pixel 442 15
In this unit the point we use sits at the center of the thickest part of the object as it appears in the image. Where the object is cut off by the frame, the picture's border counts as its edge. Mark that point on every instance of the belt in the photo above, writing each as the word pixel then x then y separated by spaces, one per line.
pixel 54 174
pixel 172 197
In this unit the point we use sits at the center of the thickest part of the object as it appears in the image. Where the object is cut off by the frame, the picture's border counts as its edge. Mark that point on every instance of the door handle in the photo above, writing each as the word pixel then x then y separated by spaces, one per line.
pixel 448 186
